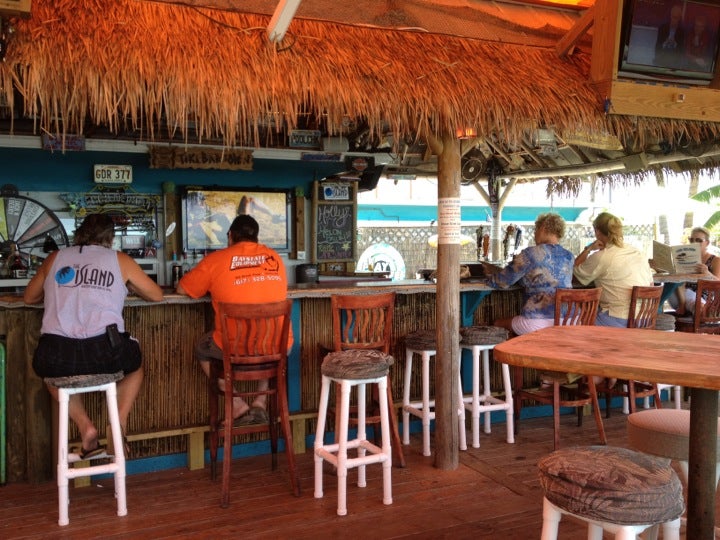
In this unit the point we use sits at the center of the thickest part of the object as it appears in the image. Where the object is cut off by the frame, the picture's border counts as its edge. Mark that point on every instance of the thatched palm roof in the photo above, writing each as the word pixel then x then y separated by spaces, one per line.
pixel 161 69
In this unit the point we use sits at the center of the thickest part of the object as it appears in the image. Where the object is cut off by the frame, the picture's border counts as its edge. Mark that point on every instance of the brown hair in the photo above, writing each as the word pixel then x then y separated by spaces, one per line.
pixel 96 229
pixel 610 226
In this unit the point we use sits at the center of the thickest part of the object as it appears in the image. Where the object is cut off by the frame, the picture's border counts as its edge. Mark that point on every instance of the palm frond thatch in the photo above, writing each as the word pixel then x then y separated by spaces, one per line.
pixel 130 64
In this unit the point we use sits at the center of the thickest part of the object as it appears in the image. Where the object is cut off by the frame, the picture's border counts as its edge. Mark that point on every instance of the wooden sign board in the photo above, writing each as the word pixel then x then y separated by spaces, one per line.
pixel 334 222
pixel 162 157
pixel 17 8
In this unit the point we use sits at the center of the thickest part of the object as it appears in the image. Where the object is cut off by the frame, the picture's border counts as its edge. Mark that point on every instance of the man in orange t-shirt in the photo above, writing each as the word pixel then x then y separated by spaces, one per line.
pixel 245 272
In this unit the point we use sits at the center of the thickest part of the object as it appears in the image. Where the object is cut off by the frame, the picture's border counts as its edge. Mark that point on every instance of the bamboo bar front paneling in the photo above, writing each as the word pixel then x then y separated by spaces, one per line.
pixel 174 393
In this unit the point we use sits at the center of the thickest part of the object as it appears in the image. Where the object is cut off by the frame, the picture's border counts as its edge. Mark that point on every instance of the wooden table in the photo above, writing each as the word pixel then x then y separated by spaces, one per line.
pixel 690 360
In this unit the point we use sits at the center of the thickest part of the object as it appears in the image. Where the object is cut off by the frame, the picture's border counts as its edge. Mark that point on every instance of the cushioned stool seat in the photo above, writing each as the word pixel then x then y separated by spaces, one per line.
pixel 354 368
pixel 613 488
pixel 665 322
pixel 664 433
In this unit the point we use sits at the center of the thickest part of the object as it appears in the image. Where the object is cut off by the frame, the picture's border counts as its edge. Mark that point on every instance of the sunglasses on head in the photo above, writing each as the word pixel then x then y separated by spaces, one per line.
pixel 697 240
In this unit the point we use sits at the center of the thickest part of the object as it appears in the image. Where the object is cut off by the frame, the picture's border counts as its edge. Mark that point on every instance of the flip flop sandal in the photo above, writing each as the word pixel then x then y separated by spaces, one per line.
pixel 260 415
pixel 89 454
pixel 244 420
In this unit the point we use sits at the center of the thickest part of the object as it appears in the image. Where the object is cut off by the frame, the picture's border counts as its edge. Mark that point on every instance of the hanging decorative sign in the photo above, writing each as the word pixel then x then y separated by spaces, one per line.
pixel 112 174
pixel 162 157
pixel 336 192
pixel 62 143
pixel 359 163
pixel 304 138
pixel 320 156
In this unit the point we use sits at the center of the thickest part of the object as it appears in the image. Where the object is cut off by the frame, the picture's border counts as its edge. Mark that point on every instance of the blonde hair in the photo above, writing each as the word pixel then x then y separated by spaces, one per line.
pixel 610 226
pixel 552 223
pixel 701 230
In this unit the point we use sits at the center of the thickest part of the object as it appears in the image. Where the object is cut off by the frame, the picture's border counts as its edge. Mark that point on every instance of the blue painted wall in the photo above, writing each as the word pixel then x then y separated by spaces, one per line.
pixel 40 170
pixel 425 214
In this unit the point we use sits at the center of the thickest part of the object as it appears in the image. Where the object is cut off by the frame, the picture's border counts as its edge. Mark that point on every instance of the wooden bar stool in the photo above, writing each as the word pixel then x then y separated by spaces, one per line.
pixel 424 343
pixel 613 489
pixel 482 339
pixel 254 343
pixel 364 322
pixel 83 384
pixel 347 369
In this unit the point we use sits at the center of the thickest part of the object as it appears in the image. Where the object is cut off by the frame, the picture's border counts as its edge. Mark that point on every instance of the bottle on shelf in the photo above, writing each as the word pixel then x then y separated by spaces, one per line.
pixel 49 245
pixel 16 264
pixel 185 263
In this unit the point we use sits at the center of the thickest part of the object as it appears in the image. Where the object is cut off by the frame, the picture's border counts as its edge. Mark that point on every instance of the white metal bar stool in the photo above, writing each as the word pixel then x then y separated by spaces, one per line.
pixel 424 343
pixel 354 368
pixel 482 339
pixel 82 384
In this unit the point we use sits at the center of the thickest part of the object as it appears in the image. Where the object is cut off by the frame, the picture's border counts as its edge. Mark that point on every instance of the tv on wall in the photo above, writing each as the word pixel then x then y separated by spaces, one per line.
pixel 207 213
pixel 670 40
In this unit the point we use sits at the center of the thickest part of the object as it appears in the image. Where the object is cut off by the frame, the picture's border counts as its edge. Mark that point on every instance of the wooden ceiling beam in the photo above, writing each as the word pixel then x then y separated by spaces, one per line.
pixel 569 40
pixel 281 19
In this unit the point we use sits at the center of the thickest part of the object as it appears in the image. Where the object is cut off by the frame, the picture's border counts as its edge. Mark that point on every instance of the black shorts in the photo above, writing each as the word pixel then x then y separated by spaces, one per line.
pixel 59 356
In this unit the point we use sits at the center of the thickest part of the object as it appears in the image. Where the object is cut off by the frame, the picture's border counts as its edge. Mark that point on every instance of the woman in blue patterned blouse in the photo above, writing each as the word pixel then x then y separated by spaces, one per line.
pixel 539 269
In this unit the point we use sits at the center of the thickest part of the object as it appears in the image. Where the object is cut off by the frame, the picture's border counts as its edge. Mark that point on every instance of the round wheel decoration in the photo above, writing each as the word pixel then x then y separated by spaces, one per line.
pixel 29 225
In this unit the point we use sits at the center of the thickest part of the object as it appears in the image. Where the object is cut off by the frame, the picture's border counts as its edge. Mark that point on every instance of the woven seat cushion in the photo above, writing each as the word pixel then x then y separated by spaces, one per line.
pixel 356 364
pixel 82 381
pixel 423 340
pixel 611 484
pixel 662 432
pixel 665 322
pixel 483 335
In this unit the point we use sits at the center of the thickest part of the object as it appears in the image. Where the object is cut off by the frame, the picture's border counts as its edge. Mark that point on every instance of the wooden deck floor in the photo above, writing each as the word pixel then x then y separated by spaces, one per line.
pixel 494 493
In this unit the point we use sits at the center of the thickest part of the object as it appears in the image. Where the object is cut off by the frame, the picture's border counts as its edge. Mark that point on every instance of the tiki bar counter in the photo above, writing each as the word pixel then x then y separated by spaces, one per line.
pixel 169 421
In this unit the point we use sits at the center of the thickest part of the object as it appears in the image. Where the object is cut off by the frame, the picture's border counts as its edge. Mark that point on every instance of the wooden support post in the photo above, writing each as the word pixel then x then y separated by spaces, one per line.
pixel 196 450
pixel 447 367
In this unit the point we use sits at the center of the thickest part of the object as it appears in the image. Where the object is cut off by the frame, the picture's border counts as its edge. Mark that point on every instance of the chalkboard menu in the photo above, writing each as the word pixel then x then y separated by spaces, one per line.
pixel 334 221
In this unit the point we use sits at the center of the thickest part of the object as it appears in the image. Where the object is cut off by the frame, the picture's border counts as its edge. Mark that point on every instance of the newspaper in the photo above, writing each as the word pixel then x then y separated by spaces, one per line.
pixel 680 259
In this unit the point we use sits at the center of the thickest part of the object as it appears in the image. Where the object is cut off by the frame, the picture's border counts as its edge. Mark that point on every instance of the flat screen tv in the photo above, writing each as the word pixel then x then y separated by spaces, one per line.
pixel 670 40
pixel 207 213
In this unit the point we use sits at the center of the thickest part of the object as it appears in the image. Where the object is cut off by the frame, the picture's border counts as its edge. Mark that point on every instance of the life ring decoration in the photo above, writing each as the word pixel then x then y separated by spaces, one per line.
pixel 382 257
pixel 31 226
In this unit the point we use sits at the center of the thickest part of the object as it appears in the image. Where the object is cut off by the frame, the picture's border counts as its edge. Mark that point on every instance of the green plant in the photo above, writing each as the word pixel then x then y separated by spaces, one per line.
pixel 709 196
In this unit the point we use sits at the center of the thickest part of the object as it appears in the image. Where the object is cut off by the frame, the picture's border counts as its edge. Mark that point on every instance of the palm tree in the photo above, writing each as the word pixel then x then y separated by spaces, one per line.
pixel 707 196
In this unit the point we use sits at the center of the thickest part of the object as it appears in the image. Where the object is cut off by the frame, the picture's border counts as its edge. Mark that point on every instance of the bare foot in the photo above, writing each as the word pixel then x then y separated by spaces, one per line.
pixel 239 408
pixel 90 439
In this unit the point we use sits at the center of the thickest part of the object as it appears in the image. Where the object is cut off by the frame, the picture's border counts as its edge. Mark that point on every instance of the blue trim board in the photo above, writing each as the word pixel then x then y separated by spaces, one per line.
pixel 400 213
